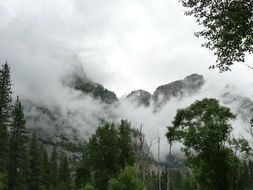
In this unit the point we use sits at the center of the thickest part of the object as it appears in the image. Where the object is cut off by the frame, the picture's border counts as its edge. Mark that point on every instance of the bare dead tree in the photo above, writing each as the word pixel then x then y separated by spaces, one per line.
pixel 249 66
pixel 159 169
pixel 169 167
pixel 144 154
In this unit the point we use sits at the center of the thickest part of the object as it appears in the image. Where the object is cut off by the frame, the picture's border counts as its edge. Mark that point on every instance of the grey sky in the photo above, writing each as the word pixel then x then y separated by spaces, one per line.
pixel 123 44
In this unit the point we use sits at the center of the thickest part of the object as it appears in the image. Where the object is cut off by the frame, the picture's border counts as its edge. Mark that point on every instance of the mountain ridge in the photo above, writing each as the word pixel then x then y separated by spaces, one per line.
pixel 66 126
pixel 187 86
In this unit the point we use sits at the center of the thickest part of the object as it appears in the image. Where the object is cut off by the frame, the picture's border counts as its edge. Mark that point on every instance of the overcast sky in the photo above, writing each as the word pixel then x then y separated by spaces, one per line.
pixel 123 44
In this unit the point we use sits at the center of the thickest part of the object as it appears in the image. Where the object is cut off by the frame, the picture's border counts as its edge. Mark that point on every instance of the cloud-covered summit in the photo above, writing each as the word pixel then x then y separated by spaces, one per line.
pixel 122 45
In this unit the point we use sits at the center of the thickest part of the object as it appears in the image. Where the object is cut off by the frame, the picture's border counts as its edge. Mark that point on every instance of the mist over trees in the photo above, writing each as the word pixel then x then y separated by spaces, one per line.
pixel 24 160
pixel 117 156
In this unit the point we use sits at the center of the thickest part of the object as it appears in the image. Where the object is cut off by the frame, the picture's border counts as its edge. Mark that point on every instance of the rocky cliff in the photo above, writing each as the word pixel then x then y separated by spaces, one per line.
pixel 140 97
pixel 188 86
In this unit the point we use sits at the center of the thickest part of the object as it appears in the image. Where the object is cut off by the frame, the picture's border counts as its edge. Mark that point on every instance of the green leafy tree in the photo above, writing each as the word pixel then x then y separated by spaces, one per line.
pixel 102 155
pixel 2 181
pixel 17 171
pixel 82 174
pixel 204 130
pixel 35 177
pixel 126 180
pixel 5 114
pixel 126 156
pixel 61 186
pixel 227 28
pixel 53 168
pixel 108 151
pixel 89 187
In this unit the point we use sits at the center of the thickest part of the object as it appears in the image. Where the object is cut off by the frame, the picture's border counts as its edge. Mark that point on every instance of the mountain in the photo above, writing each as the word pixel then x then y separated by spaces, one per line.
pixel 69 123
pixel 188 86
pixel 53 122
pixel 141 97
pixel 180 88
pixel 78 80
pixel 242 106
pixel 61 125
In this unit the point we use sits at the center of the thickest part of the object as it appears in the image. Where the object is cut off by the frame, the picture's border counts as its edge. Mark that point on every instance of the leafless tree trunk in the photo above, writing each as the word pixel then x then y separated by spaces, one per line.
pixel 169 167
pixel 159 169
pixel 143 156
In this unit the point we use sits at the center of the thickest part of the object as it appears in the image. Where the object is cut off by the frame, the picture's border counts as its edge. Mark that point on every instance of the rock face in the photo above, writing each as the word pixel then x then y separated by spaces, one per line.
pixel 187 86
pixel 48 122
pixel 95 90
pixel 60 125
pixel 242 106
pixel 56 124
pixel 78 80
pixel 141 97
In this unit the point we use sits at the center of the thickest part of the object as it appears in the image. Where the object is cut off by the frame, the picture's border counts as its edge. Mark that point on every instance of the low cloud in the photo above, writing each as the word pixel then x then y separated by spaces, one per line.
pixel 124 45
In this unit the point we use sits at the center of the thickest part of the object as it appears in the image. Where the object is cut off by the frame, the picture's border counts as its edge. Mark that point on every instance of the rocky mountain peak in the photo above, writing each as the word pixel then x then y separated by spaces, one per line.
pixel 187 86
pixel 141 97
pixel 78 80
pixel 164 93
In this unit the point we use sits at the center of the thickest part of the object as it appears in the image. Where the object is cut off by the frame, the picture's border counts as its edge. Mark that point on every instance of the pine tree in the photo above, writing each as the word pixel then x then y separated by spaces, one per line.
pixel 82 173
pixel 17 168
pixel 64 170
pixel 53 169
pixel 34 178
pixel 5 114
pixel 44 168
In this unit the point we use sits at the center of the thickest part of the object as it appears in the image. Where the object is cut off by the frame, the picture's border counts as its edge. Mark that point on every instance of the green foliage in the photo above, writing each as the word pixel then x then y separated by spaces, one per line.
pixel 64 171
pixel 61 186
pixel 126 156
pixel 89 187
pixel 34 178
pixel 227 28
pixel 109 150
pixel 248 177
pixel 127 179
pixel 5 114
pixel 204 130
pixel 18 161
pixel 96 90
pixel 152 181
pixel 23 164
pixel 53 165
pixel 103 153
pixel 44 168
pixel 82 175
pixel 2 180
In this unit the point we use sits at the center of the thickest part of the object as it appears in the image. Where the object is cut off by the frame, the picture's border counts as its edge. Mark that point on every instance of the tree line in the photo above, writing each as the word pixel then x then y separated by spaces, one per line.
pixel 117 156
pixel 24 162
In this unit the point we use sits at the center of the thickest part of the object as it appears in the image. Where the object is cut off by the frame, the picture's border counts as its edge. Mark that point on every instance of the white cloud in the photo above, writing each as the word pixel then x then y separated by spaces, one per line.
pixel 124 45
pixel 140 44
